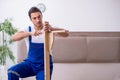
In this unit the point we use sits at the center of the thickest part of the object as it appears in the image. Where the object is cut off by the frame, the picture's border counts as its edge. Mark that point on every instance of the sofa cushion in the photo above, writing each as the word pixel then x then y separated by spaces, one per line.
pixel 103 49
pixel 86 71
pixel 21 50
pixel 69 49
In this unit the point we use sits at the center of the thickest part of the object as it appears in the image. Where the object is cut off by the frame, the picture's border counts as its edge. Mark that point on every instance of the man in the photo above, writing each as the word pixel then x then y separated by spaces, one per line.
pixel 34 37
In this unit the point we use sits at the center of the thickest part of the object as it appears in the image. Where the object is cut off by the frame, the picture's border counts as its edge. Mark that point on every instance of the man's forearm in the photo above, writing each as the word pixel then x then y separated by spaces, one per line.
pixel 63 34
pixel 20 35
pixel 53 29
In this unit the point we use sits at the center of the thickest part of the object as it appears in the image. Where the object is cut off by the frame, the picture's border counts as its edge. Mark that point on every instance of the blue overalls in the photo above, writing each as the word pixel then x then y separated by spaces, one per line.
pixel 32 65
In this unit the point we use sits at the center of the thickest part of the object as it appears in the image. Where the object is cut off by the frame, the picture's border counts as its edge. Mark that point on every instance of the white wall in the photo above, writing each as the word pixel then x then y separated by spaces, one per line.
pixel 75 15
pixel 86 15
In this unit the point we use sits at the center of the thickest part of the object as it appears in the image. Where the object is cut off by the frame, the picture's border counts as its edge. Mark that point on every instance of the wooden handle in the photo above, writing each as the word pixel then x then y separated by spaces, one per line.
pixel 46 57
pixel 48 41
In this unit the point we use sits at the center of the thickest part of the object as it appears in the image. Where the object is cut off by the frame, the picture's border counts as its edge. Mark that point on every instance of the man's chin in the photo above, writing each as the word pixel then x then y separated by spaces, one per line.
pixel 39 25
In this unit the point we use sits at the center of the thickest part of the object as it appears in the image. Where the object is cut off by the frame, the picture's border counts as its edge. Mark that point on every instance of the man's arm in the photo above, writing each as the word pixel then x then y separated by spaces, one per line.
pixel 48 27
pixel 63 34
pixel 23 34
pixel 20 35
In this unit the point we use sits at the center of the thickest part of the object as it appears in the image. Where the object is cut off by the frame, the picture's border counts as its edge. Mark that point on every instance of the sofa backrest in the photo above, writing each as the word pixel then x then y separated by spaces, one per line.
pixel 87 47
pixel 21 50
pixel 81 47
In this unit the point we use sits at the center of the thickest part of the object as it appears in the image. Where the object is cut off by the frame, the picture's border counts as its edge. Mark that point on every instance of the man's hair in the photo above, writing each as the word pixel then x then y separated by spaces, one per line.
pixel 32 10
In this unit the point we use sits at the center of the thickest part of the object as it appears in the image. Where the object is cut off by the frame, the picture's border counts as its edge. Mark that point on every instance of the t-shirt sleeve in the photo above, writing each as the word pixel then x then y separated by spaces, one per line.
pixel 23 29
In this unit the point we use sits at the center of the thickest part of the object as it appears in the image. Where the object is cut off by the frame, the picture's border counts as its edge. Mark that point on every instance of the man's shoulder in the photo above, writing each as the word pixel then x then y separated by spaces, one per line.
pixel 25 28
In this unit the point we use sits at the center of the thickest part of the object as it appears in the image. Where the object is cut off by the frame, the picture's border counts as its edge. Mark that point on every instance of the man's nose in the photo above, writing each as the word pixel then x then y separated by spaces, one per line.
pixel 37 19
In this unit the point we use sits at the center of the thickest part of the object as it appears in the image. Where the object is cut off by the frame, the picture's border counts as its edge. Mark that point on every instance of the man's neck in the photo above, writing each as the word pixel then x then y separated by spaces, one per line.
pixel 38 27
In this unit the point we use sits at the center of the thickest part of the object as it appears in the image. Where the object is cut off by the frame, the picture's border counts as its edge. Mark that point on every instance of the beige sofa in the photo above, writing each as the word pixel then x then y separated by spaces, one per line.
pixel 84 56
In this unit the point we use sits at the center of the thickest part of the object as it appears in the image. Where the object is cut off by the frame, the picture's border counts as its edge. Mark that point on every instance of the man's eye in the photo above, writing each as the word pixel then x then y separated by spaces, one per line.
pixel 34 18
pixel 38 16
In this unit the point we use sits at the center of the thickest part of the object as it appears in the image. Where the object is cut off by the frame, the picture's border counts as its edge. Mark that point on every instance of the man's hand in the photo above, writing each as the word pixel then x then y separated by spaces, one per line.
pixel 36 33
pixel 47 26
pixel 63 34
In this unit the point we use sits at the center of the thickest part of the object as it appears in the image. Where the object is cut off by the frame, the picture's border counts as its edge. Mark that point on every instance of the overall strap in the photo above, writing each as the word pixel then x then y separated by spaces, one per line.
pixel 30 36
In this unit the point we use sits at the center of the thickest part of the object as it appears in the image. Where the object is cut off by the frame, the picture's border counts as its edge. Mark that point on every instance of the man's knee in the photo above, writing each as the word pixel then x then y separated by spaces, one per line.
pixel 12 71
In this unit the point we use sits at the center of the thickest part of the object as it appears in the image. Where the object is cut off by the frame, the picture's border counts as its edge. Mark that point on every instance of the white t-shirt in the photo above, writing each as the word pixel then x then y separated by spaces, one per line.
pixel 35 39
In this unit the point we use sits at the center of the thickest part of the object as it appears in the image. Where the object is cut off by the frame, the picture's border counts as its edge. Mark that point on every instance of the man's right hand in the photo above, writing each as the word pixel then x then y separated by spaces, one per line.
pixel 36 33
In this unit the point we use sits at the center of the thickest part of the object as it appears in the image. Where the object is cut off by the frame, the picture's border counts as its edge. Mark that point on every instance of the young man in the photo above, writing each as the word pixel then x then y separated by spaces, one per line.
pixel 33 65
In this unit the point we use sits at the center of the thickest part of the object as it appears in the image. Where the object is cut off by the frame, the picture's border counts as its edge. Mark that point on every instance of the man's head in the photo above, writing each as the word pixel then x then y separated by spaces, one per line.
pixel 35 16
pixel 33 10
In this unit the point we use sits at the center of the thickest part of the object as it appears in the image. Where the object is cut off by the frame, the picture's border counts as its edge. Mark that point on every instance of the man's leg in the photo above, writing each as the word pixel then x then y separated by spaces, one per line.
pixel 20 70
pixel 40 74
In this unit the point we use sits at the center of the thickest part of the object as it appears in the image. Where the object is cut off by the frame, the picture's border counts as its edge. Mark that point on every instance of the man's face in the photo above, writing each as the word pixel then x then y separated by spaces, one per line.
pixel 36 19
